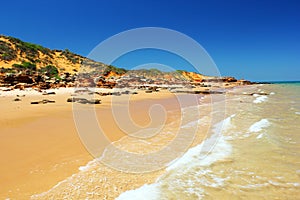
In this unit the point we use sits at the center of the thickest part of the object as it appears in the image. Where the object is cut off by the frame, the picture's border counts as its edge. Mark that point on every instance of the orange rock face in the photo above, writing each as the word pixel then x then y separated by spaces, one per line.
pixel 192 76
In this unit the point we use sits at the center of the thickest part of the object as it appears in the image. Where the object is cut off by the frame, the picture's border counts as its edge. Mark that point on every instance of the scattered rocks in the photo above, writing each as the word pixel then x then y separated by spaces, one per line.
pixel 18 95
pixel 17 99
pixel 199 91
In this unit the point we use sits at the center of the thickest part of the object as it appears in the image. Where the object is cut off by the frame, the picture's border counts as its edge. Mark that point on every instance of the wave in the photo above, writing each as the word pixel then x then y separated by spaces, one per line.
pixel 259 98
pixel 260 136
pixel 211 150
pixel 208 151
pixel 259 126
pixel 146 192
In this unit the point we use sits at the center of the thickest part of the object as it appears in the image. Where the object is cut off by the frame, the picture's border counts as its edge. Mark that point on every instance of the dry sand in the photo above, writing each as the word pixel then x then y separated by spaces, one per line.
pixel 40 145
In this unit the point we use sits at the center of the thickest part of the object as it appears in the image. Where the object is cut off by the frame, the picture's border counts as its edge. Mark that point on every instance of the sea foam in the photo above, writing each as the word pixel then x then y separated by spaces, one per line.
pixel 209 151
pixel 259 126
pixel 259 98
pixel 146 192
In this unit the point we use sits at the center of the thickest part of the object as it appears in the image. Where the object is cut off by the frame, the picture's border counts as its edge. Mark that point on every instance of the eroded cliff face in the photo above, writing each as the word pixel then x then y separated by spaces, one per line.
pixel 192 76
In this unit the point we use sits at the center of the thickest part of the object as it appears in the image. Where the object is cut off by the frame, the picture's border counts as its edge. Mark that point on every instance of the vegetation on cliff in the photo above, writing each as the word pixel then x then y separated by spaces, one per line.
pixel 19 59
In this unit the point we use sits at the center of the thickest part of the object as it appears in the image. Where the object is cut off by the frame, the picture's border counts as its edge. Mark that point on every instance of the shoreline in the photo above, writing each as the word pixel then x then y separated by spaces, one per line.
pixel 27 154
pixel 53 113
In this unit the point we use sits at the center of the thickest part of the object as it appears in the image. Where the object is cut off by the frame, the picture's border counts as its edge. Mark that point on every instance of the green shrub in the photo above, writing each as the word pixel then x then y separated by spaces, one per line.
pixel 31 50
pixel 50 70
pixel 7 52
pixel 111 68
pixel 70 56
pixel 25 66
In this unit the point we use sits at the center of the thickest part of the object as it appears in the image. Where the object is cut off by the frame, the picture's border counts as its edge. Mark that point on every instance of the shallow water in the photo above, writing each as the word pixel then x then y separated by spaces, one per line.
pixel 257 157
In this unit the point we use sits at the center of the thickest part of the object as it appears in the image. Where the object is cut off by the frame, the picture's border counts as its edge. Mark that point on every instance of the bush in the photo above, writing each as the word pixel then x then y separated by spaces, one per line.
pixel 50 71
pixel 31 50
pixel 111 68
pixel 29 65
pixel 7 52
pixel 25 66
pixel 70 56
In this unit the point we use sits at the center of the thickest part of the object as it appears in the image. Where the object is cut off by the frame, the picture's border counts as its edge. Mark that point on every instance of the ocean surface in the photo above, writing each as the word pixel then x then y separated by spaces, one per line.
pixel 251 151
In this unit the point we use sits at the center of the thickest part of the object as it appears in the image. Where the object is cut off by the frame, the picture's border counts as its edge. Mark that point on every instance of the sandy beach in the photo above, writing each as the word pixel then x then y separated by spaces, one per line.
pixel 43 155
pixel 40 145
pixel 150 100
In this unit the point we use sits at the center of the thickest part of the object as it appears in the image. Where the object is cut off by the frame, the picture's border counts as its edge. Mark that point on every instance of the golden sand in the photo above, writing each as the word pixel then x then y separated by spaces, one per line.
pixel 40 145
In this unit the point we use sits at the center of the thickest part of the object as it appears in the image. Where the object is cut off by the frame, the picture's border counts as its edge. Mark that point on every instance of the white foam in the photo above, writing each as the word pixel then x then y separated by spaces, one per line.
pixel 192 158
pixel 260 136
pixel 146 192
pixel 84 168
pixel 88 165
pixel 259 98
pixel 209 151
pixel 258 126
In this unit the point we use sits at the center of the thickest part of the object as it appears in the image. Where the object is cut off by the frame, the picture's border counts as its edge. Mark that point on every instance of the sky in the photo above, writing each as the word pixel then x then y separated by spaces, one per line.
pixel 254 40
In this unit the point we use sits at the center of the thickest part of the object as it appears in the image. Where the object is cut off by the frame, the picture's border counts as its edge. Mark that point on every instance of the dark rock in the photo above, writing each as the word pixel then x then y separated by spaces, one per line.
pixel 83 101
pixel 125 92
pixel 94 101
pixel 116 93
pixel 20 95
pixel 44 101
pixel 48 93
pixel 76 99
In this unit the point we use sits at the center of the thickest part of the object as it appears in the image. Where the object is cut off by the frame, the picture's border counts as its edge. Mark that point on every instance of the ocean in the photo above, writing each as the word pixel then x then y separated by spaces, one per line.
pixel 251 150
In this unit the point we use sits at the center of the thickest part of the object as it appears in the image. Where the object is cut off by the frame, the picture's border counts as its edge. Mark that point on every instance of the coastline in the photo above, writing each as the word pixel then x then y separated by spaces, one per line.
pixel 40 142
pixel 61 155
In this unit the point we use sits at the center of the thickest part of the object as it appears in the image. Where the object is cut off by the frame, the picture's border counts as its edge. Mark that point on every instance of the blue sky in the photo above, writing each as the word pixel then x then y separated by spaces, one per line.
pixel 255 40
